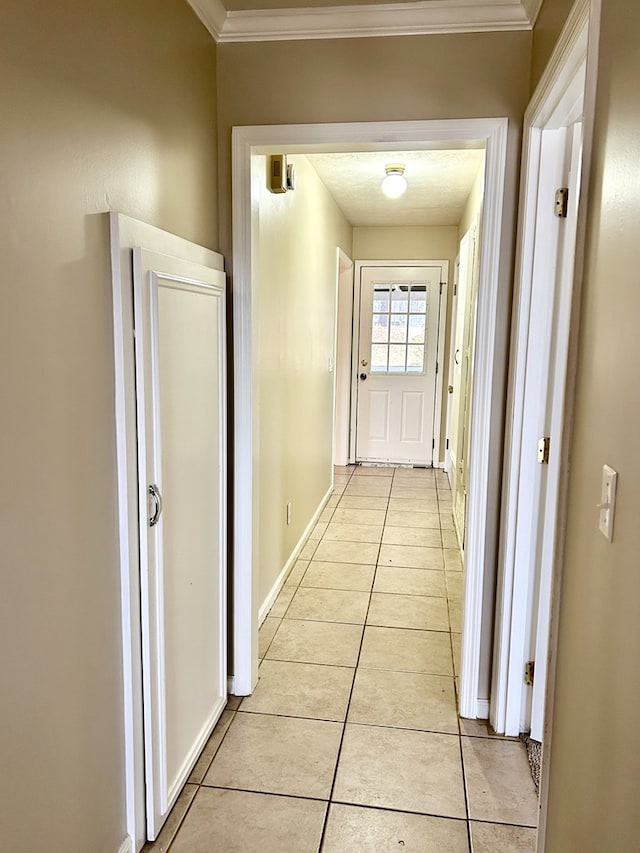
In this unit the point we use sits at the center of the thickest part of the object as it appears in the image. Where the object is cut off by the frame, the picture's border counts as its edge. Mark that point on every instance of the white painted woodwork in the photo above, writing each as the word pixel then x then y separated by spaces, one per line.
pixel 463 347
pixel 180 377
pixel 420 17
pixel 531 536
pixel 486 437
pixel 342 361
pixel 125 234
pixel 396 410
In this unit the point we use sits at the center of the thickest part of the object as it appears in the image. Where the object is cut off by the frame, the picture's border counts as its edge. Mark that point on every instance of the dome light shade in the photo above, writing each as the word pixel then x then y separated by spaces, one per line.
pixel 394 184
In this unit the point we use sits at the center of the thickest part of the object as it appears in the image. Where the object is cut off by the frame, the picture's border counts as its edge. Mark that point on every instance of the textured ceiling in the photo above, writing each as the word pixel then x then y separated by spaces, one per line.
pixel 439 185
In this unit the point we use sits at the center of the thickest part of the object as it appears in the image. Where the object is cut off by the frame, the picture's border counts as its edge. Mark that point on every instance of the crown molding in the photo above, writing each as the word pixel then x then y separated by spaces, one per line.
pixel 423 17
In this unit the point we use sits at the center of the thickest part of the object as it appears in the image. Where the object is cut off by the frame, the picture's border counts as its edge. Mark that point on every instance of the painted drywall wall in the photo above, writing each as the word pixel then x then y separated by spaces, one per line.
pixel 387 79
pixel 549 23
pixel 594 759
pixel 104 105
pixel 408 244
pixel 294 285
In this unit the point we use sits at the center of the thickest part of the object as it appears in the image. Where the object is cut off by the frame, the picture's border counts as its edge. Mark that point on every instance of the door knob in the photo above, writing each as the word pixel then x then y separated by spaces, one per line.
pixel 363 376
pixel 154 494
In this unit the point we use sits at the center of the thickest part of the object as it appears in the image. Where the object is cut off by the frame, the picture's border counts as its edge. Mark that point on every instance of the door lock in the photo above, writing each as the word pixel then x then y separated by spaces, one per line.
pixel 364 362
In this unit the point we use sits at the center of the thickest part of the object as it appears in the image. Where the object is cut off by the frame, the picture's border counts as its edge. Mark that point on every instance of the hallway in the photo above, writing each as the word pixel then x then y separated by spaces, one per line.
pixel 351 740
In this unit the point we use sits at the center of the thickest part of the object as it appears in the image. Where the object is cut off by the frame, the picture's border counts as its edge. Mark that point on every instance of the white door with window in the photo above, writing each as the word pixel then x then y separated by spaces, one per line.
pixel 396 364
pixel 180 383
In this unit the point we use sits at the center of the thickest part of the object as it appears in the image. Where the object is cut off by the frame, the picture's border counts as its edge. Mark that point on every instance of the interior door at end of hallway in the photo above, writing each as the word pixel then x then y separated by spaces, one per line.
pixel 397 363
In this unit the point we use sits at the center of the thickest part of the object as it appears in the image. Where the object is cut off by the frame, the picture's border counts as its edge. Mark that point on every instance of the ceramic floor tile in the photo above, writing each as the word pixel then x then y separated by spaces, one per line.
pixel 339 576
pixel 233 702
pixel 377 831
pixel 319 530
pixel 359 516
pixel 266 634
pixel 449 539
pixel 455 585
pixel 499 783
pixel 333 501
pixel 406 650
pixel 410 518
pixel 316 642
pixel 452 559
pixel 401 769
pixel 455 615
pixel 456 646
pixel 430 538
pixel 297 572
pixel 172 824
pixel 446 520
pixel 408 611
pixel 413 504
pixel 308 549
pixel 353 533
pixel 411 557
pixel 301 690
pixel 363 502
pixel 404 700
pixel 277 755
pixel 329 605
pixel 369 487
pixel 326 515
pixel 491 837
pixel 348 552
pixel 283 601
pixel 410 581
pixel 238 822
pixel 413 492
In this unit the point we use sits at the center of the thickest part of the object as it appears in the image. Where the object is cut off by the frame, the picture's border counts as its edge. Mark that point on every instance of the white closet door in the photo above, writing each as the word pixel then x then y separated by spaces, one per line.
pixel 180 378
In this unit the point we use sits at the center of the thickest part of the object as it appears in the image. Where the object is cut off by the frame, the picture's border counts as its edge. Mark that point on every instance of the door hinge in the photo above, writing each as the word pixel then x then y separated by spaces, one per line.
pixel 437 368
pixel 529 669
pixel 446 444
pixel 442 284
pixel 562 202
pixel 543 451
pixel 455 289
pixel 433 444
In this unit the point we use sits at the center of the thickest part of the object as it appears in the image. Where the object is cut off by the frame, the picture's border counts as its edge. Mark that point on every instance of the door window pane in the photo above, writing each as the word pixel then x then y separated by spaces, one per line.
pixel 398 328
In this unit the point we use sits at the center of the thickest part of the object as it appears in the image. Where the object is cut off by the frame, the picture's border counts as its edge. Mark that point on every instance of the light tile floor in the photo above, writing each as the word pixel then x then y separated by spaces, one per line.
pixel 351 740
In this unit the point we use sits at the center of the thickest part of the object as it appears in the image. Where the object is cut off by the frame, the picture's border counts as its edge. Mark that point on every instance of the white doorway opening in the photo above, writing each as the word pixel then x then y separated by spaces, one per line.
pixel 492 323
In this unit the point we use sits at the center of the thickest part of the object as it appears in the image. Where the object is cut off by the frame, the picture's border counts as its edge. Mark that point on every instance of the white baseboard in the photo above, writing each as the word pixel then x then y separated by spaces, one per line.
pixel 282 577
pixel 127 846
pixel 482 709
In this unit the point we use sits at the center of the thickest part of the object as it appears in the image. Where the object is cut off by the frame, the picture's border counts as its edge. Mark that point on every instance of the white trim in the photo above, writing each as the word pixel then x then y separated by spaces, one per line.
pixel 268 603
pixel 512 596
pixel 482 709
pixel 441 333
pixel 125 233
pixel 593 8
pixel 422 17
pixel 487 390
pixel 485 433
pixel 127 846
pixel 342 358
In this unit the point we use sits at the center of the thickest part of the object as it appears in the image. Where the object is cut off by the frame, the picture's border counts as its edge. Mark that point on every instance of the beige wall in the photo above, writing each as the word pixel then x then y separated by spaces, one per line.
pixel 595 753
pixel 295 257
pixel 104 105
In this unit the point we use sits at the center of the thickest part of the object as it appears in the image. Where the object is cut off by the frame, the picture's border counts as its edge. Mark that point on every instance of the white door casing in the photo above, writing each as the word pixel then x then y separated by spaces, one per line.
pixel 395 361
pixel 486 439
pixel 544 312
pixel 180 379
pixel 125 234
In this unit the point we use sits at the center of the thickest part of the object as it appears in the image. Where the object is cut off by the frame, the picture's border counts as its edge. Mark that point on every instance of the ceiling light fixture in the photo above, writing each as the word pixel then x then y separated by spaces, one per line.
pixel 394 184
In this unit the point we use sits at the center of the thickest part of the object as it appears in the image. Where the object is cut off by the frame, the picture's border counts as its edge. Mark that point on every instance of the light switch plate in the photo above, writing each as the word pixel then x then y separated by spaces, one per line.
pixel 607 501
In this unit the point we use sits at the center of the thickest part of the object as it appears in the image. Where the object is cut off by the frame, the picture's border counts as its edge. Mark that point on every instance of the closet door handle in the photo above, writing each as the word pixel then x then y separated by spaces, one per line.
pixel 154 494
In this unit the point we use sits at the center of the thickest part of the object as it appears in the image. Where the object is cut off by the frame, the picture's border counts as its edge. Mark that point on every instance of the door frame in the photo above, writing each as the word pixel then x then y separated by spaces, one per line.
pixel 125 235
pixel 560 88
pixel 342 358
pixel 493 320
pixel 355 338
